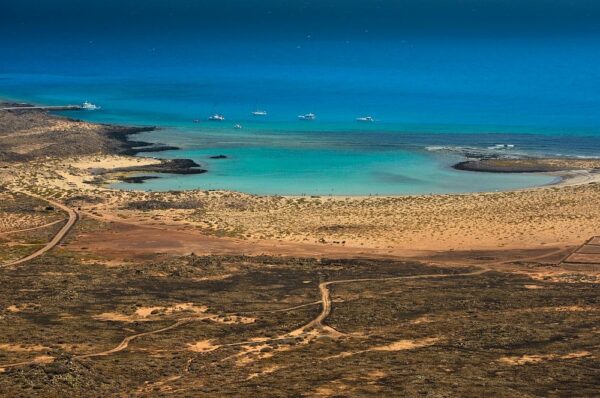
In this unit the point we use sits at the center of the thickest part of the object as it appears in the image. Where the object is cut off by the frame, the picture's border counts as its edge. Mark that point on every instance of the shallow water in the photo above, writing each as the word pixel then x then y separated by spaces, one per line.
pixel 304 164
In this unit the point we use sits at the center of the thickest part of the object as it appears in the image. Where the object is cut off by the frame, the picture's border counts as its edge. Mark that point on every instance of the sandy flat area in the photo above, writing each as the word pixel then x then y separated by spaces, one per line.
pixel 553 216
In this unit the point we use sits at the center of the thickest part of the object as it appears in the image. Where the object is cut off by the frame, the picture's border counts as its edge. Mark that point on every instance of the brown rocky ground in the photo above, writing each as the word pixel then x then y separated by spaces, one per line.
pixel 79 324
pixel 31 134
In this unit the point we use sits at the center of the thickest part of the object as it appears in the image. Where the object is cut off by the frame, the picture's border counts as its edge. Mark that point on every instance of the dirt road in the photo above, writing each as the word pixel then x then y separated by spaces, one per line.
pixel 73 217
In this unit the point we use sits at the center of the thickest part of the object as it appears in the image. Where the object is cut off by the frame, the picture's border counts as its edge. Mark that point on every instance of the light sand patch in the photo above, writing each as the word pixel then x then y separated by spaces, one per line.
pixel 421 320
pixel 158 274
pixel 265 371
pixel 532 359
pixel 115 317
pixel 212 278
pixel 22 307
pixel 110 162
pixel 533 287
pixel 202 346
pixel 407 344
pixel 144 312
pixel 399 345
pixel 254 353
pixel 43 359
pixel 376 374
pixel 574 308
pixel 189 307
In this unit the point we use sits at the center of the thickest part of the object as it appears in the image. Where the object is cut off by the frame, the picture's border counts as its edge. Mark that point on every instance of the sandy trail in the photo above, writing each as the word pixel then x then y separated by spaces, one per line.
pixel 73 217
pixel 125 343
pixel 42 359
pixel 283 309
pixel 326 294
pixel 16 231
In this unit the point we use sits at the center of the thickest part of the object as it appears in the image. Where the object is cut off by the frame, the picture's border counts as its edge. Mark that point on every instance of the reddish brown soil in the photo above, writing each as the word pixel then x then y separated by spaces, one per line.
pixel 126 241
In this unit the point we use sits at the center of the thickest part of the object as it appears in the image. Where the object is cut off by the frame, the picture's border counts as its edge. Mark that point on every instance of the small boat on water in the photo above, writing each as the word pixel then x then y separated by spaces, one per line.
pixel 259 113
pixel 216 118
pixel 368 119
pixel 308 116
pixel 237 126
pixel 502 146
pixel 88 106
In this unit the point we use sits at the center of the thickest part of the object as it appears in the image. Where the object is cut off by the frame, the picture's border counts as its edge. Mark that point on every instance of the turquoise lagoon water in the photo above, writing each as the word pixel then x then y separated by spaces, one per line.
pixel 320 163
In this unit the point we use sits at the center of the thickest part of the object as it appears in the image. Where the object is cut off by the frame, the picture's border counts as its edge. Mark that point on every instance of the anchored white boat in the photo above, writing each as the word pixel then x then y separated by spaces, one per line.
pixel 368 119
pixel 88 106
pixel 502 146
pixel 308 116
pixel 259 113
pixel 216 118
pixel 237 126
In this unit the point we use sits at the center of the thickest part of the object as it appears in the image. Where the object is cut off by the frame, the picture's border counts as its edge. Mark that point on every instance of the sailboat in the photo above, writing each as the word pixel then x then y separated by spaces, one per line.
pixel 216 118
pixel 308 116
pixel 365 119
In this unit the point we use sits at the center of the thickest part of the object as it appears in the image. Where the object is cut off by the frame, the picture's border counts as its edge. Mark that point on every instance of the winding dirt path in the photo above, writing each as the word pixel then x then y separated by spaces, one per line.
pixel 326 294
pixel 282 309
pixel 16 231
pixel 73 217
pixel 42 359
pixel 125 343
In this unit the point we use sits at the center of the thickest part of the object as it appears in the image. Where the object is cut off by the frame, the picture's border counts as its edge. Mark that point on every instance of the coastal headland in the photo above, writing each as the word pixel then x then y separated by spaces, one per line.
pixel 214 293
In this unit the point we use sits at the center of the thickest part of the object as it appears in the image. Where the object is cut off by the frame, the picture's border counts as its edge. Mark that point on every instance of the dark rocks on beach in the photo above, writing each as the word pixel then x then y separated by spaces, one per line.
pixel 219 157
pixel 481 165
pixel 129 147
pixel 171 166
pixel 105 138
pixel 135 179
pixel 149 148
pixel 476 165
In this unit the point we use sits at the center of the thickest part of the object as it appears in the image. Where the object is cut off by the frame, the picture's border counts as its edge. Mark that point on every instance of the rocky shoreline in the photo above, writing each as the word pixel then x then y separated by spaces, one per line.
pixel 166 166
pixel 528 165
pixel 31 134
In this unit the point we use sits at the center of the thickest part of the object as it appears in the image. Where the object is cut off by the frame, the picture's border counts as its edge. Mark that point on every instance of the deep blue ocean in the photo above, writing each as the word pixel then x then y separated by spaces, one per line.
pixel 533 85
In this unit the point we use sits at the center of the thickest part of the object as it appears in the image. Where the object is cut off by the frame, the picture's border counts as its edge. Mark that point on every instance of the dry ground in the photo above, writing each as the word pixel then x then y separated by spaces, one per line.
pixel 87 321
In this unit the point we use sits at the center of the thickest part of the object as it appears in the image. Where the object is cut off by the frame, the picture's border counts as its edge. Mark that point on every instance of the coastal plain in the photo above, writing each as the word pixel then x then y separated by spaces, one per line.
pixel 217 293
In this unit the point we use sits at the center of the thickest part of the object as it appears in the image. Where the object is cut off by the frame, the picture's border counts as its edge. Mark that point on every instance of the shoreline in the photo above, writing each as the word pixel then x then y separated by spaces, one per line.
pixel 549 215
pixel 567 171
pixel 45 129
